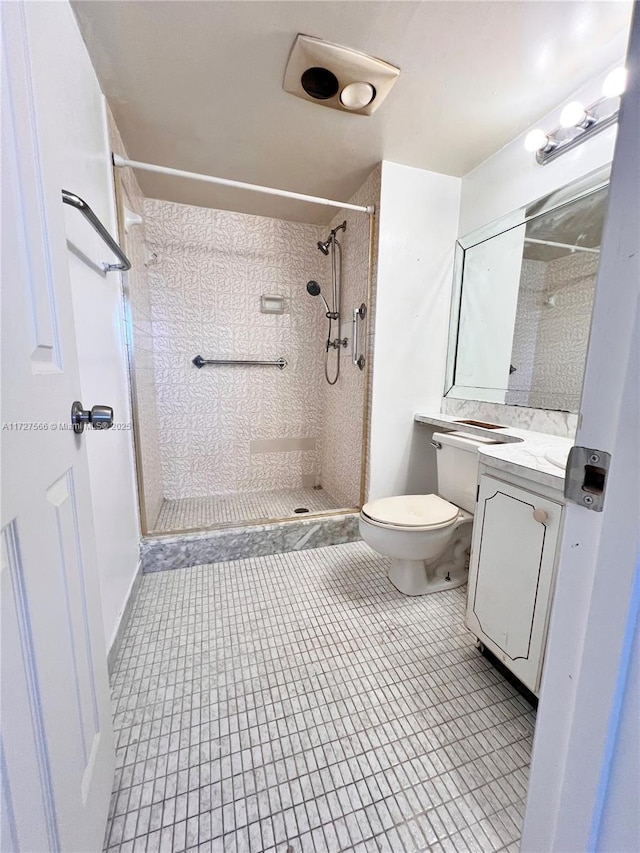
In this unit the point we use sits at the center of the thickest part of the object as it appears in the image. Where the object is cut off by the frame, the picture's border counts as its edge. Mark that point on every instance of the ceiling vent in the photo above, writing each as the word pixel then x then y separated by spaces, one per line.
pixel 337 77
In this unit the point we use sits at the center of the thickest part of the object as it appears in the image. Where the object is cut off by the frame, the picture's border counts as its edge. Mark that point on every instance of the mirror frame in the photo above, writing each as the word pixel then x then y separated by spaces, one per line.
pixel 581 188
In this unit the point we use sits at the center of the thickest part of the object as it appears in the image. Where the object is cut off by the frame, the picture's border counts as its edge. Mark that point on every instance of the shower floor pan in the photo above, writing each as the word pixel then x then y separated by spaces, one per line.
pixel 207 512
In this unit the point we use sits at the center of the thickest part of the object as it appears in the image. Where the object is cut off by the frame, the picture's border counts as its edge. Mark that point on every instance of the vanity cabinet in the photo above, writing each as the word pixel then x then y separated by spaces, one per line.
pixel 513 553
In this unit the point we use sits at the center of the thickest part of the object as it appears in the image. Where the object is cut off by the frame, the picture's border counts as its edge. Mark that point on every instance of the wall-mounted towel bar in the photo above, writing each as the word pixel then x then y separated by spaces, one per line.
pixel 81 205
pixel 199 361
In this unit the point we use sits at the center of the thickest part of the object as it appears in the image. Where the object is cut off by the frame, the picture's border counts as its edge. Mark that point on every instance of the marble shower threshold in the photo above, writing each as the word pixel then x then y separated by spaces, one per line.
pixel 164 552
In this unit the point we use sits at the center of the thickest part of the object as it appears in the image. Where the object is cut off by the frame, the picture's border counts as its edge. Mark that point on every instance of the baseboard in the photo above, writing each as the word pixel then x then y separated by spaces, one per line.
pixel 124 618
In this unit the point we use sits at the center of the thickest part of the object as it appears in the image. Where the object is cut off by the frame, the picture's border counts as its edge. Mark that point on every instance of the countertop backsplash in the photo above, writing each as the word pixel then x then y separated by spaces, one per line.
pixel 563 424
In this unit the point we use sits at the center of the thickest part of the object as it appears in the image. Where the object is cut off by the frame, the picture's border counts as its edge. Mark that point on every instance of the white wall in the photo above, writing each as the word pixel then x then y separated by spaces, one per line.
pixel 83 154
pixel 418 229
pixel 512 178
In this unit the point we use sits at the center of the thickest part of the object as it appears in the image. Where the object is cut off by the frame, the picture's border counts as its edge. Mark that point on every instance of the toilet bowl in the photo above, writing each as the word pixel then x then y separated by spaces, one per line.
pixel 428 537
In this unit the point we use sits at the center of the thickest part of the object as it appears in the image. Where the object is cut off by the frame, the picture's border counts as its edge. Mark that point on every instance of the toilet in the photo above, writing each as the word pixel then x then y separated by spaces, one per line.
pixel 428 537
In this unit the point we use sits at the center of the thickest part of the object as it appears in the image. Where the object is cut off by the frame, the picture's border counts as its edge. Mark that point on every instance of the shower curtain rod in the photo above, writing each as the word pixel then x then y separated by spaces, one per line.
pixel 225 182
pixel 571 246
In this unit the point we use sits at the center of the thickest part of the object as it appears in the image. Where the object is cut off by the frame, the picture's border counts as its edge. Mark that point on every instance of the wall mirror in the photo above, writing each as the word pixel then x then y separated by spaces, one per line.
pixel 522 300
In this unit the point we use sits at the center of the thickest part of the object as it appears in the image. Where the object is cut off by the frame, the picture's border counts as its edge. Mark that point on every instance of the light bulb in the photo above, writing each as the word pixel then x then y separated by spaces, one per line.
pixel 614 83
pixel 573 115
pixel 356 96
pixel 536 140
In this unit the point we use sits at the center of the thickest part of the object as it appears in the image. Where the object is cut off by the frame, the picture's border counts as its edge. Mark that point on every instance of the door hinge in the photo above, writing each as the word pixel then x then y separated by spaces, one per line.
pixel 586 477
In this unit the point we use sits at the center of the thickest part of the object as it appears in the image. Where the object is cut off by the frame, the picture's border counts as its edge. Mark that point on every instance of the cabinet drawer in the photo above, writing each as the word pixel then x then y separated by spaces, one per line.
pixel 511 574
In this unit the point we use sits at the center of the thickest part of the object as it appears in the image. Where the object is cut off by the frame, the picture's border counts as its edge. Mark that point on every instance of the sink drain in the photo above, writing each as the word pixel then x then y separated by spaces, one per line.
pixel 300 510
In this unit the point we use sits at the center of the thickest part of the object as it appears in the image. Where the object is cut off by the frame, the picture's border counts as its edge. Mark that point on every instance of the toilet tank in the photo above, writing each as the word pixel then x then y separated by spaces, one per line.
pixel 457 461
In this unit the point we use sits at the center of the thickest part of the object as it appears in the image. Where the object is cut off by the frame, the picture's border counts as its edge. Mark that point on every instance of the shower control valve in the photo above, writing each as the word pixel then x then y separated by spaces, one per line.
pixel 337 343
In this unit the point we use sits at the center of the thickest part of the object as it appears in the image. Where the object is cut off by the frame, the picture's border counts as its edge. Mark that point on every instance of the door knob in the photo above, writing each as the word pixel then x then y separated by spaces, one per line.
pixel 100 417
pixel 540 515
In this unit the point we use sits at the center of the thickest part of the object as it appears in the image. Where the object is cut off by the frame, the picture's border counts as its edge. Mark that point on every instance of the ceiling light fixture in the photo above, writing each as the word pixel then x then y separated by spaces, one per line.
pixel 356 96
pixel 577 122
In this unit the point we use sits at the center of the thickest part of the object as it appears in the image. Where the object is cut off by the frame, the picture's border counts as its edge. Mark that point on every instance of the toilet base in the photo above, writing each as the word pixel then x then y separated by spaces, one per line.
pixel 417 577
pixel 447 571
pixel 444 552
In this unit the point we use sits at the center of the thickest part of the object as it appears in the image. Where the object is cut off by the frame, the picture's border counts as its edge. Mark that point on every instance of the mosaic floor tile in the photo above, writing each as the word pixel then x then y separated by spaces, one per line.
pixel 298 702
pixel 202 513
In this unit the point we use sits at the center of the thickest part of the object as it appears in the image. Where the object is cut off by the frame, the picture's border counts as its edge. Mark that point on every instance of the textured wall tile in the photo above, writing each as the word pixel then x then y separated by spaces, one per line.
pixel 552 331
pixel 342 407
pixel 205 299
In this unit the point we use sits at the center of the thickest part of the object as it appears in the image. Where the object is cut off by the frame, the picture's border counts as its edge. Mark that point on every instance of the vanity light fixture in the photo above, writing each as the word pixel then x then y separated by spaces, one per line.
pixel 575 115
pixel 537 140
pixel 577 122
pixel 615 83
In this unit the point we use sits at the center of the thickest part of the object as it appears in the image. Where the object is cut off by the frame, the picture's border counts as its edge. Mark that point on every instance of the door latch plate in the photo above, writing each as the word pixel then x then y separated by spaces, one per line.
pixel 586 477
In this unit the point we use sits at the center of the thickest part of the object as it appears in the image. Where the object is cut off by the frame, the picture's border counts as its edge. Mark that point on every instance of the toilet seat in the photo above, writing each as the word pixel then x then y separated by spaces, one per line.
pixel 411 512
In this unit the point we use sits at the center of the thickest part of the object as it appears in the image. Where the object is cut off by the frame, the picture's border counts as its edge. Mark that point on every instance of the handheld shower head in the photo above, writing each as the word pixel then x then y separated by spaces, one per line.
pixel 313 289
pixel 324 247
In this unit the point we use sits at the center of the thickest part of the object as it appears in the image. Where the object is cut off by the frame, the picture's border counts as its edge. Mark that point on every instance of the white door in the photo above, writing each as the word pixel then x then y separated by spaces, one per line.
pixel 584 788
pixel 56 747
pixel 512 558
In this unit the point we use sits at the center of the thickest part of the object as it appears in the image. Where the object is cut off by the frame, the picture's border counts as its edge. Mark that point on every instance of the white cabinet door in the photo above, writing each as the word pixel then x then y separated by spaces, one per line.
pixel 56 744
pixel 511 573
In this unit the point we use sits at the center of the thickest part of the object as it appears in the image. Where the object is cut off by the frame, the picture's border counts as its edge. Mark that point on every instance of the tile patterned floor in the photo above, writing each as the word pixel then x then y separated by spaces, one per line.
pixel 189 513
pixel 298 702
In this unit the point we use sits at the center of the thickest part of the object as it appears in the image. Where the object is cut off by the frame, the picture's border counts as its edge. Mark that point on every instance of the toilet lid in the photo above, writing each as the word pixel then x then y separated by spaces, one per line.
pixel 411 510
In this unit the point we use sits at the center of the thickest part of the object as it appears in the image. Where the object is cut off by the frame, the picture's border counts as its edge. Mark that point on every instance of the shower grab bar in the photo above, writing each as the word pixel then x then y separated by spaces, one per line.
pixel 358 314
pixel 81 205
pixel 199 361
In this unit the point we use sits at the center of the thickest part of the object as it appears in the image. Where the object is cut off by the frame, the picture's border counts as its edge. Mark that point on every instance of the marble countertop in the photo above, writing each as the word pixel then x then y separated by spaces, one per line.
pixel 522 452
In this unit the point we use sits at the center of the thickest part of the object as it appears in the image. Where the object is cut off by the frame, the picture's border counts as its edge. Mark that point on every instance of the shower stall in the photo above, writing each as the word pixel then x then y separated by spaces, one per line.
pixel 244 410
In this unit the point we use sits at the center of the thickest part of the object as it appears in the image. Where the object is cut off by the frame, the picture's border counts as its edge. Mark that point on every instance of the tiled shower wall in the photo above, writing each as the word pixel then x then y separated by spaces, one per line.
pixel 528 311
pixel 563 332
pixel 342 409
pixel 141 342
pixel 234 428
pixel 552 330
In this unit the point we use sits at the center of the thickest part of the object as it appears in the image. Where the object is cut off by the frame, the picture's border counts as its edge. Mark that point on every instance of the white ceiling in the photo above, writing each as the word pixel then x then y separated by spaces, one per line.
pixel 198 86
